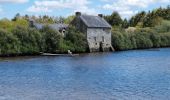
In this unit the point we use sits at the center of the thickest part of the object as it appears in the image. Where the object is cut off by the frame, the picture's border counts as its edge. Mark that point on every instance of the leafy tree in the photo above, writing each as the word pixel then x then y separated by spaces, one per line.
pixel 69 19
pixel 76 40
pixel 52 40
pixel 29 39
pixel 114 19
pixel 138 18
pixel 8 43
pixel 125 23
pixel 17 16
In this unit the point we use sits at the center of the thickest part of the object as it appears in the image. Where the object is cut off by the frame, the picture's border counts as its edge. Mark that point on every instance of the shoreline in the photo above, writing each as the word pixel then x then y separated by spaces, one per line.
pixel 73 55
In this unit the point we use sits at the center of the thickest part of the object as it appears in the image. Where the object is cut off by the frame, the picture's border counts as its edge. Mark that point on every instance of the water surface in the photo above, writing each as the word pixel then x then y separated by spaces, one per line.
pixel 128 75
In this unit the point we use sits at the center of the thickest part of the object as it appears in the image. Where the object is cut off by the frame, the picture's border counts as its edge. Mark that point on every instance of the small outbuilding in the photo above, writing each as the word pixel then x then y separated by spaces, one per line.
pixel 61 27
pixel 97 30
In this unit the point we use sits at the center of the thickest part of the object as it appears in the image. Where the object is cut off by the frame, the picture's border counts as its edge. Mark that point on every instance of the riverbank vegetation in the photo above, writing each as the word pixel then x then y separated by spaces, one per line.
pixel 144 30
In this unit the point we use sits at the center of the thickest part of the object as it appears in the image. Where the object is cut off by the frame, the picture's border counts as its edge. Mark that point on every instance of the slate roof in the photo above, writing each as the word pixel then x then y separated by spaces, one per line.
pixel 95 21
pixel 38 26
pixel 52 26
pixel 58 26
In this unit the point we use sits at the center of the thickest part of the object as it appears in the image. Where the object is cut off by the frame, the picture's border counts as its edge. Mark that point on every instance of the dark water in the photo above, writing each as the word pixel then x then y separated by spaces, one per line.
pixel 128 75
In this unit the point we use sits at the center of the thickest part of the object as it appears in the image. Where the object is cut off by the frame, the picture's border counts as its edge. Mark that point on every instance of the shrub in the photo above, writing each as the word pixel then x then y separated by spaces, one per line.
pixel 9 44
pixel 164 27
pixel 29 39
pixel 76 40
pixel 52 40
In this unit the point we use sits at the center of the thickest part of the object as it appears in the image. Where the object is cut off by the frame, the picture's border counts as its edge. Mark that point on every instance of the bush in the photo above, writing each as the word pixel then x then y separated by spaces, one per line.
pixel 51 40
pixel 164 27
pixel 143 40
pixel 139 39
pixel 123 41
pixel 29 40
pixel 75 40
pixel 9 44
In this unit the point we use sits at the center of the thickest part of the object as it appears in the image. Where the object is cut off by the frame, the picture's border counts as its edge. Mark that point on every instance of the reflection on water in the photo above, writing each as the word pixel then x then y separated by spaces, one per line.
pixel 129 75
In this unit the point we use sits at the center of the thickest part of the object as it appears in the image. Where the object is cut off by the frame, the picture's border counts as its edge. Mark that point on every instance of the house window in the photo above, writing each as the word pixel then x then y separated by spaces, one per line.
pixel 102 38
pixel 95 39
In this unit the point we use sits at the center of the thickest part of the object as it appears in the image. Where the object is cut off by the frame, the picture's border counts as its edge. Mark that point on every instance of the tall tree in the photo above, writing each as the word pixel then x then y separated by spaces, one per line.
pixel 17 16
pixel 114 19
pixel 138 18
pixel 125 23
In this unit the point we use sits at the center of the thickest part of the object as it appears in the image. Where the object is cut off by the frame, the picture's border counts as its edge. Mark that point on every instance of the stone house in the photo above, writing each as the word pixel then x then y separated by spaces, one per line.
pixel 61 27
pixel 97 30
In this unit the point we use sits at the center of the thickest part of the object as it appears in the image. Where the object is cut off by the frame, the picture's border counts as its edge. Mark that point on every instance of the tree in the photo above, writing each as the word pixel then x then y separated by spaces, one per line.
pixel 52 40
pixel 29 39
pixel 114 19
pixel 151 20
pixel 17 16
pixel 69 19
pixel 125 23
pixel 8 43
pixel 77 40
pixel 138 18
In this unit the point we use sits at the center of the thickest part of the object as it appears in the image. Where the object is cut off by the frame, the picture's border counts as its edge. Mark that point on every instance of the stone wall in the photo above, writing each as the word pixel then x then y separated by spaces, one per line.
pixel 99 38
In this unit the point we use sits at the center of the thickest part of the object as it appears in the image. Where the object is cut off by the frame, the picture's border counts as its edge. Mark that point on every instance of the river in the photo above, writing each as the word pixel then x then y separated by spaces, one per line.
pixel 126 75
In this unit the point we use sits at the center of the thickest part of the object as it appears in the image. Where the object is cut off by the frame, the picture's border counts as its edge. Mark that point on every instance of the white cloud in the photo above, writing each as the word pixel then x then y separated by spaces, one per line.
pixel 74 5
pixel 127 8
pixel 62 3
pixel 13 1
pixel 38 9
pixel 86 10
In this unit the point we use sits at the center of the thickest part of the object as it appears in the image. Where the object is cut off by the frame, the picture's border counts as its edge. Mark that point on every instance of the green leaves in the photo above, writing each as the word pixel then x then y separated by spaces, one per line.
pixel 114 19
pixel 140 39
pixel 52 40
pixel 75 40
pixel 8 43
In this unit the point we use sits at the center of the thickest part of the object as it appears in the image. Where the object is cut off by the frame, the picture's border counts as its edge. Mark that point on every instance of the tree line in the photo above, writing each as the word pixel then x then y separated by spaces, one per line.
pixel 18 38
pixel 143 30
pixel 142 19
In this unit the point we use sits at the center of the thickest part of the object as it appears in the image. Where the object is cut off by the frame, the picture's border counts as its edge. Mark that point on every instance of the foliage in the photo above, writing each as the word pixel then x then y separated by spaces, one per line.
pixel 10 25
pixel 69 19
pixel 75 40
pixel 138 18
pixel 114 19
pixel 149 29
pixel 164 27
pixel 140 39
pixel 51 39
pixel 29 40
pixel 8 43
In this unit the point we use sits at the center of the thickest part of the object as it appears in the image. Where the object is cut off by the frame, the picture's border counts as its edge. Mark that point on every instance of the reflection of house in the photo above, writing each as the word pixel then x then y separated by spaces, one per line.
pixel 57 26
pixel 97 30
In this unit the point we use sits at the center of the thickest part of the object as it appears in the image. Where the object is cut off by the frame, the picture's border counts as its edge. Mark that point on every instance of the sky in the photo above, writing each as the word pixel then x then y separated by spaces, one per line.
pixel 126 8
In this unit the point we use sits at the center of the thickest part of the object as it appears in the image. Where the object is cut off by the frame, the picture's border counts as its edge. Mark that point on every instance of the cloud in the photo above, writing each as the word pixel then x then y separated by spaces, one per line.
pixel 13 1
pixel 58 4
pixel 36 9
pixel 50 5
pixel 86 10
pixel 128 8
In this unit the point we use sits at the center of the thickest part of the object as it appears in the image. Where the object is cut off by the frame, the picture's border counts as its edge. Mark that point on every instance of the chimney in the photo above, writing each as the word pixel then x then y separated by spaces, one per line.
pixel 100 15
pixel 78 14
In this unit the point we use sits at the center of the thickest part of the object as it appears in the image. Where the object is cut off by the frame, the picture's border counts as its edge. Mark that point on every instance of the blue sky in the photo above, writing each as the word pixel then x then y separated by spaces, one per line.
pixel 126 8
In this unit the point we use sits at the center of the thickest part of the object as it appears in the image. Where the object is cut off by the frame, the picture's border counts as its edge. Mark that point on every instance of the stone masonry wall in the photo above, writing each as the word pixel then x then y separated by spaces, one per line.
pixel 97 37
